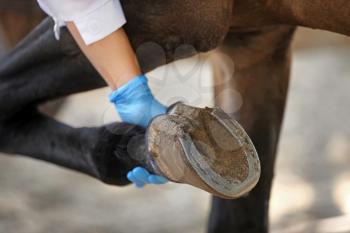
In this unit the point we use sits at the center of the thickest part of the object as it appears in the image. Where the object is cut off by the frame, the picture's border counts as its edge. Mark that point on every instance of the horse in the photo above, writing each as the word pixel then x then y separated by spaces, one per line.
pixel 255 34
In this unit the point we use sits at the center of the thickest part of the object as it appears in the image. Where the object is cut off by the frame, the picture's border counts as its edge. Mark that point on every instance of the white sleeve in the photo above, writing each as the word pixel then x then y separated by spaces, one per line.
pixel 95 19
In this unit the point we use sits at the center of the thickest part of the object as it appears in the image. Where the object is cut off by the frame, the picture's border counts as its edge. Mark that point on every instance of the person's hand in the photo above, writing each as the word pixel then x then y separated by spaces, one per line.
pixel 140 177
pixel 135 103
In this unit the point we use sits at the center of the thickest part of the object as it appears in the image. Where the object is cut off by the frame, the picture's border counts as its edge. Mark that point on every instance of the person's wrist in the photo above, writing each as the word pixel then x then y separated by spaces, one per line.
pixel 126 91
pixel 115 81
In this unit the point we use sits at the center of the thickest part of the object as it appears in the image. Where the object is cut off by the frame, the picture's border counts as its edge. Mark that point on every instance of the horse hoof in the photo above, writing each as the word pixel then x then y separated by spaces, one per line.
pixel 204 148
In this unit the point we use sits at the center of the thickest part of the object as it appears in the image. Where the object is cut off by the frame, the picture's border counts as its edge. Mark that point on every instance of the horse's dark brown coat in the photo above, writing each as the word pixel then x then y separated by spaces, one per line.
pixel 256 34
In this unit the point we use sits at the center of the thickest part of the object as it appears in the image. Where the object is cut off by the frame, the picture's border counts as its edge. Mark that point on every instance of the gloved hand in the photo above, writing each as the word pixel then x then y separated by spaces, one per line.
pixel 140 177
pixel 136 105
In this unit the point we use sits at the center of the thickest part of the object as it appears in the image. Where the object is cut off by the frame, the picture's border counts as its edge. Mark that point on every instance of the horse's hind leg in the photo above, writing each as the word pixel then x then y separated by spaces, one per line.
pixel 262 60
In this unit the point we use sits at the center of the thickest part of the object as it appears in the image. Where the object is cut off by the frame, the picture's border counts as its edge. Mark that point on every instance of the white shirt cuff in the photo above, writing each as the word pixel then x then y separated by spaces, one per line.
pixel 101 22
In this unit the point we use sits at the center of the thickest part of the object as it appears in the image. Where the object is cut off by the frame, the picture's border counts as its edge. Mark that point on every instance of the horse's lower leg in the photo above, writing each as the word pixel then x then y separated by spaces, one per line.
pixel 101 152
pixel 31 75
pixel 262 62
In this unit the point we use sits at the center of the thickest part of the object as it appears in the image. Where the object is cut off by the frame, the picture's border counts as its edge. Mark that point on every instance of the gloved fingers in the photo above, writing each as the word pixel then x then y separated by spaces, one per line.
pixel 138 183
pixel 141 174
pixel 154 179
pixel 140 177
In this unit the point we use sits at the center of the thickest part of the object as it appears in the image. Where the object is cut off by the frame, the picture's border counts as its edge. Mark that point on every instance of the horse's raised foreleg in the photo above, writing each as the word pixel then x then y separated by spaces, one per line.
pixel 261 60
pixel 101 152
pixel 41 69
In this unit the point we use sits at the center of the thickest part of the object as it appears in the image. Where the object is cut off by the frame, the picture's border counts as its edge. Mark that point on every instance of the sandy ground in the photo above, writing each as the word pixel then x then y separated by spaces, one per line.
pixel 313 176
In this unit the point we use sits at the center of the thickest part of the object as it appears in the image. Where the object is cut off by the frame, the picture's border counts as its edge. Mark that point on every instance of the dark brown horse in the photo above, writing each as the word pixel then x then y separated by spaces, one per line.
pixel 256 34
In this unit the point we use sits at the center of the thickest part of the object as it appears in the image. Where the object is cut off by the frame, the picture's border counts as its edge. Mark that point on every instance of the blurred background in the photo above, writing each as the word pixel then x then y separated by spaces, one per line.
pixel 311 190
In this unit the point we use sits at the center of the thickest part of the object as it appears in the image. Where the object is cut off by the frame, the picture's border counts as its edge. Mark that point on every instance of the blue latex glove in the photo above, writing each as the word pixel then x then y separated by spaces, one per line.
pixel 135 103
pixel 140 177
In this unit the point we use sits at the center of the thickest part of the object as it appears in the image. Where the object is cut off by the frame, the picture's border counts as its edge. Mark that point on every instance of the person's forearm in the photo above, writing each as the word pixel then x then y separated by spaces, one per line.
pixel 113 57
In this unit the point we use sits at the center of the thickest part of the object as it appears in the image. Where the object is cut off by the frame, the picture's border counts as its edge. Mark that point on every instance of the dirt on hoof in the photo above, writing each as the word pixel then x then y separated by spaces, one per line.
pixel 219 148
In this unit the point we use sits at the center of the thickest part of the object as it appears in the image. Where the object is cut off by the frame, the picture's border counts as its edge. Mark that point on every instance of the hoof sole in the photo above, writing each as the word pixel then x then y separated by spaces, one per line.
pixel 205 148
